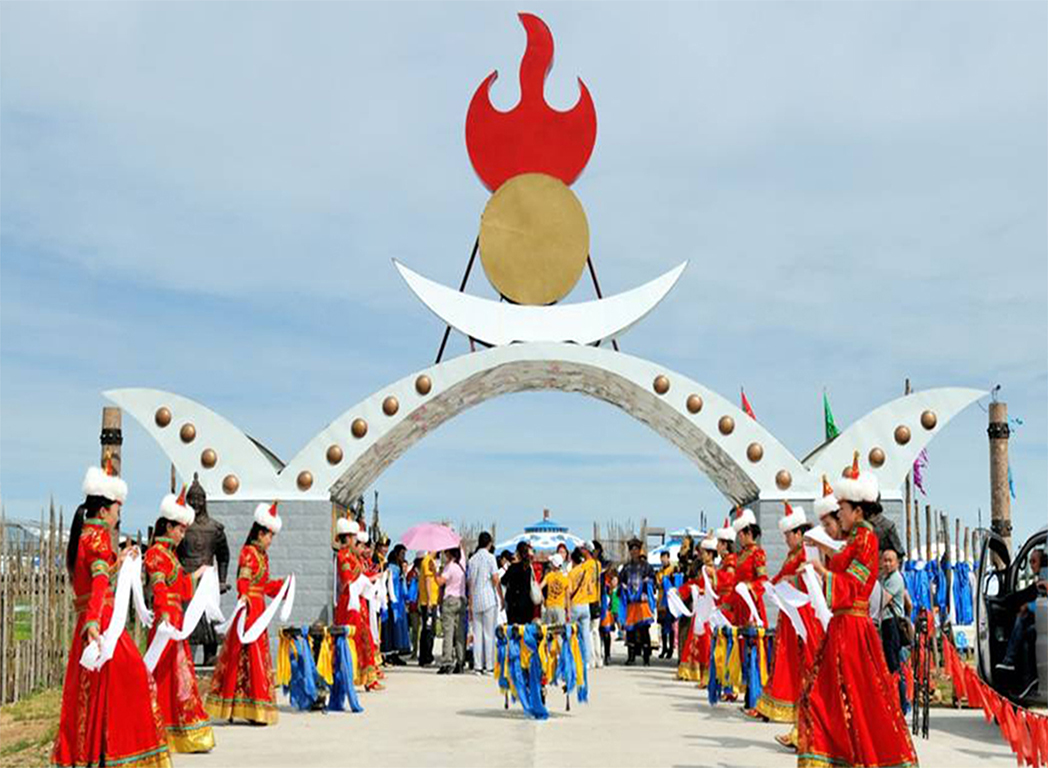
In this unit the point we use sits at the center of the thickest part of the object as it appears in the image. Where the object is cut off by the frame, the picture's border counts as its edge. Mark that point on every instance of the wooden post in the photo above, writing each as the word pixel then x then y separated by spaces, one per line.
pixel 909 492
pixel 967 551
pixel 174 479
pixel 917 529
pixel 928 532
pixel 5 605
pixel 1000 497
pixel 112 437
pixel 957 537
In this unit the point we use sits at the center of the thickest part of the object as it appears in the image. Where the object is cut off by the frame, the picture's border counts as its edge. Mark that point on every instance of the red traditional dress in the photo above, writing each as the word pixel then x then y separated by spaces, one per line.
pixel 694 649
pixel 849 712
pixel 725 586
pixel 109 716
pixel 242 685
pixel 185 720
pixel 793 656
pixel 349 570
pixel 751 569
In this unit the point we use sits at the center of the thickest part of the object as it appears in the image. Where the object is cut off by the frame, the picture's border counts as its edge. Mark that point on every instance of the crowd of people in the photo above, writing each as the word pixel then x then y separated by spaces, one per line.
pixel 842 634
pixel 837 663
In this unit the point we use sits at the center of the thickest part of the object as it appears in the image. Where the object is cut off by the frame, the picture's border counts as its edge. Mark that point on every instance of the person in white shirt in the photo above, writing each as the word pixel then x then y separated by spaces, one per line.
pixel 485 601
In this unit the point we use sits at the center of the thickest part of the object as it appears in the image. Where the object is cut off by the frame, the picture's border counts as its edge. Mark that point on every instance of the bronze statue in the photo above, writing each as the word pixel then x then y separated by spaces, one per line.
pixel 204 544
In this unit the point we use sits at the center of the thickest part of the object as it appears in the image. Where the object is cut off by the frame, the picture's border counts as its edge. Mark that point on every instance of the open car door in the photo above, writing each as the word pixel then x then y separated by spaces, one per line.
pixel 990 582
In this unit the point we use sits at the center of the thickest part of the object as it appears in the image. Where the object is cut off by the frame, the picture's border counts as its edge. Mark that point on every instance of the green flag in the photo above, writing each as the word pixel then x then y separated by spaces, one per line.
pixel 831 428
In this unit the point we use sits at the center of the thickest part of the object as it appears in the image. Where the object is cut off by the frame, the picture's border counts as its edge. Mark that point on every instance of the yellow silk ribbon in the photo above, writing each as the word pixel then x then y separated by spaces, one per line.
pixel 284 660
pixel 762 657
pixel 576 655
pixel 735 662
pixel 720 659
pixel 325 659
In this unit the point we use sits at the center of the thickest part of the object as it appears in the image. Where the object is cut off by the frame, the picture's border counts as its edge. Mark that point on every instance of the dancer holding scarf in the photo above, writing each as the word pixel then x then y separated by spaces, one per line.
pixel 348 609
pixel 695 643
pixel 242 685
pixel 109 715
pixel 725 581
pixel 849 712
pixel 186 722
pixel 751 568
pixel 793 654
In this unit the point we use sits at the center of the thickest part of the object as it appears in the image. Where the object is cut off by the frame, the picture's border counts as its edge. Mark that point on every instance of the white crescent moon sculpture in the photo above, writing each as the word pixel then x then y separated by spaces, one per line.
pixel 499 324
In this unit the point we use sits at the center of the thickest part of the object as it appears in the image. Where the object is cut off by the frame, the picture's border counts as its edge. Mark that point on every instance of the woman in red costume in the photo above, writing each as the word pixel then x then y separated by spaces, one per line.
pixel 185 720
pixel 695 648
pixel 242 685
pixel 725 581
pixel 751 568
pixel 792 654
pixel 109 716
pixel 350 569
pixel 850 713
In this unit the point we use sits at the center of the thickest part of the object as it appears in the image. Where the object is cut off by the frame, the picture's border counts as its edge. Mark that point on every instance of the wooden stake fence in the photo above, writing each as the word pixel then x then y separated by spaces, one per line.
pixel 35 608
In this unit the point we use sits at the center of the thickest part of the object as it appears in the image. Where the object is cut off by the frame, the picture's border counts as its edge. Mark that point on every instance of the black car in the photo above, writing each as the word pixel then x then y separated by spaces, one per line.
pixel 1003 585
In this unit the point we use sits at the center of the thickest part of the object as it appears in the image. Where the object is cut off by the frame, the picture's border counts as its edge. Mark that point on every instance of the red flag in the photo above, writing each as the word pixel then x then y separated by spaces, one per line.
pixel 746 405
pixel 1042 737
pixel 957 673
pixel 972 688
pixel 1029 749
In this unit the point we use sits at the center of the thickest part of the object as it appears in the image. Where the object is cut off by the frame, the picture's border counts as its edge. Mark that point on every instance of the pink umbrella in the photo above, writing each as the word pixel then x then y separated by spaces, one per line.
pixel 430 537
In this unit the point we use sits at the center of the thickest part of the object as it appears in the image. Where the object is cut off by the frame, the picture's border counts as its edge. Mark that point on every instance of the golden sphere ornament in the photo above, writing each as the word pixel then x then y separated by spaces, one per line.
pixel 230 484
pixel 334 454
pixel 162 417
pixel 694 403
pixel 187 433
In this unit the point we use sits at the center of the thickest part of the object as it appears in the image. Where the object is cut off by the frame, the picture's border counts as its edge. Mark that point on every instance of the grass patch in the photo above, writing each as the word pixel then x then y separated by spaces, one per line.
pixel 39 706
pixel 29 729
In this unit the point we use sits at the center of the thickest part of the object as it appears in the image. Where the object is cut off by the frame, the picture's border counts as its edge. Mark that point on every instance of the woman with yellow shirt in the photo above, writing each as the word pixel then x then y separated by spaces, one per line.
pixel 555 587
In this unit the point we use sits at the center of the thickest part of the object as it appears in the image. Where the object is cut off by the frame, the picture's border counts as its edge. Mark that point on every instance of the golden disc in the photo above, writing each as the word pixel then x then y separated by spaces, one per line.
pixel 534 239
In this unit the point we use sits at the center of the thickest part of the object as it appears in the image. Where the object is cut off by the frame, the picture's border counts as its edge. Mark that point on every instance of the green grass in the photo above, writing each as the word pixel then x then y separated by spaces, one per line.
pixel 38 706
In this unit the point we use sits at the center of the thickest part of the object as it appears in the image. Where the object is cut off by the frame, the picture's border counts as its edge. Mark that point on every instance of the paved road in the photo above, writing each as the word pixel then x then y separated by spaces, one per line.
pixel 636 717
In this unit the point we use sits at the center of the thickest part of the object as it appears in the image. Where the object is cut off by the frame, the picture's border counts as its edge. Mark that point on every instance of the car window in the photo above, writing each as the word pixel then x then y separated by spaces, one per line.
pixel 1024 572
pixel 992 584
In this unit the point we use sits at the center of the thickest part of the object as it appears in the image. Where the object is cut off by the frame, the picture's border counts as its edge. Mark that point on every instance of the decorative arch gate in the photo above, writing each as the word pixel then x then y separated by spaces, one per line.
pixel 746 463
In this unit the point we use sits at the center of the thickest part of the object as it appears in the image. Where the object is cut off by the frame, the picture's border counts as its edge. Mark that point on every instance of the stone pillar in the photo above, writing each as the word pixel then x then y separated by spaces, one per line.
pixel 112 437
pixel 1000 498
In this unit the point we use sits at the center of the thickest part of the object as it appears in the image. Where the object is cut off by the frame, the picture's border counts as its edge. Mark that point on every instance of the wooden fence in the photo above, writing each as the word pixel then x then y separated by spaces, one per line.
pixel 36 613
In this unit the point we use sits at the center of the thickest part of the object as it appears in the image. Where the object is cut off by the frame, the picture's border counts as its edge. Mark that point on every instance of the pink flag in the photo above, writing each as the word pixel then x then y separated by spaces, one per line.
pixel 918 471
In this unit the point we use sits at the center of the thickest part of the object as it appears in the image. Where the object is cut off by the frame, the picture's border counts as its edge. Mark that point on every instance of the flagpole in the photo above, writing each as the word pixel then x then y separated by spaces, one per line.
pixel 909 498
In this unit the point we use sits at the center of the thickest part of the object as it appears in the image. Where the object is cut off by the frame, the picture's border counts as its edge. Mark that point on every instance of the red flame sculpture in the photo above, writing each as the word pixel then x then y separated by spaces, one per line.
pixel 532 137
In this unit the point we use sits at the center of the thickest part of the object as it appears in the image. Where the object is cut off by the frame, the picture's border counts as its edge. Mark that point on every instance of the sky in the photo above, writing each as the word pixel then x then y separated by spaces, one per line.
pixel 206 198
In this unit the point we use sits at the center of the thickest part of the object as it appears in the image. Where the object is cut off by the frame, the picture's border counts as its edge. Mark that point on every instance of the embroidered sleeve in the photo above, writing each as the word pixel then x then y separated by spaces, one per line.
pixel 99 553
pixel 761 564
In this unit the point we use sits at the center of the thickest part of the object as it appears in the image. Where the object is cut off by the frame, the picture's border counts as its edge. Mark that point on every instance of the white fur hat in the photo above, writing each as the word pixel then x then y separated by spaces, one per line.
pixel 104 482
pixel 362 536
pixel 175 508
pixel 855 486
pixel 827 502
pixel 727 533
pixel 794 518
pixel 709 543
pixel 743 517
pixel 345 525
pixel 266 516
